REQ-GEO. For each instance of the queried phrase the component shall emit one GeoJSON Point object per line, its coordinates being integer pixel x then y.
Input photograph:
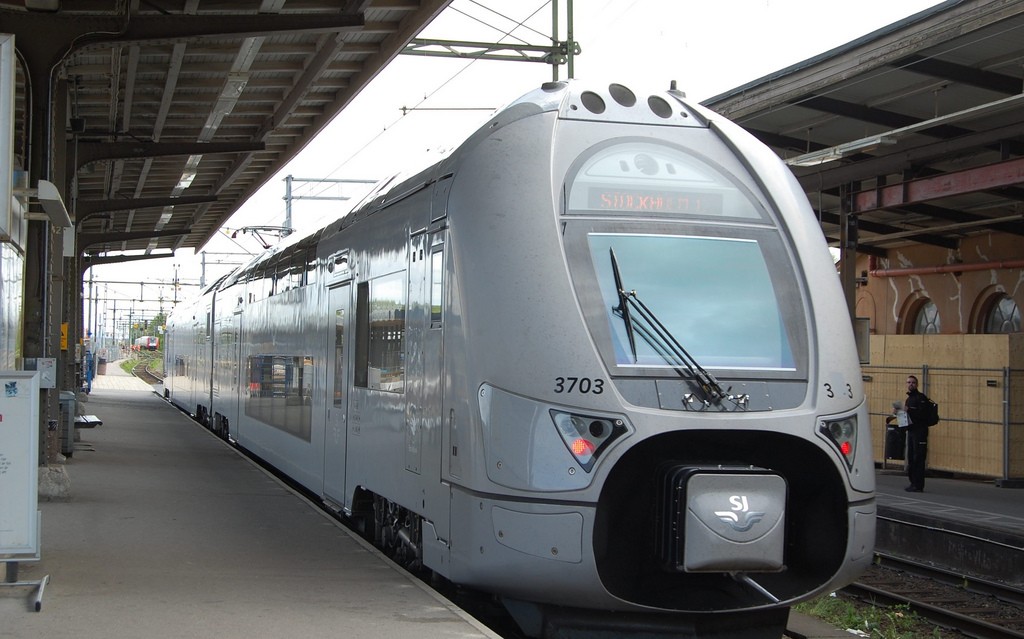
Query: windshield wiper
{"type": "Point", "coordinates": [654, 332]}
{"type": "Point", "coordinates": [623, 307]}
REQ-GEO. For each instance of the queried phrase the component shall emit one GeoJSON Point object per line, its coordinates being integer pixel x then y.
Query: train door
{"type": "Point", "coordinates": [336, 433]}
{"type": "Point", "coordinates": [226, 376]}
{"type": "Point", "coordinates": [242, 350]}
{"type": "Point", "coordinates": [423, 344]}
{"type": "Point", "coordinates": [424, 385]}
{"type": "Point", "coordinates": [416, 410]}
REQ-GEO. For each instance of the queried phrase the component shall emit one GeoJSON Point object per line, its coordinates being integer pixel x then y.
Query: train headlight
{"type": "Point", "coordinates": [842, 433]}
{"type": "Point", "coordinates": [586, 436]}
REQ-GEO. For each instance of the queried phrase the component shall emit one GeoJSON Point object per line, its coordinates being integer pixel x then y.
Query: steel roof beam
{"type": "Point", "coordinates": [84, 30]}
{"type": "Point", "coordinates": [884, 229]}
{"type": "Point", "coordinates": [91, 239]}
{"type": "Point", "coordinates": [177, 28]}
{"type": "Point", "coordinates": [89, 152]}
{"type": "Point", "coordinates": [993, 176]}
{"type": "Point", "coordinates": [87, 208]}
{"type": "Point", "coordinates": [832, 177]}
{"type": "Point", "coordinates": [786, 142]}
{"type": "Point", "coordinates": [329, 48]}
{"type": "Point", "coordinates": [989, 80]}
{"type": "Point", "coordinates": [547, 54]}
{"type": "Point", "coordinates": [834, 242]}
{"type": "Point", "coordinates": [962, 217]}
{"type": "Point", "coordinates": [872, 115]}
{"type": "Point", "coordinates": [89, 261]}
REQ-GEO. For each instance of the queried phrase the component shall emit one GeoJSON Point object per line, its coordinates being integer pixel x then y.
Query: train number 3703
{"type": "Point", "coordinates": [584, 385]}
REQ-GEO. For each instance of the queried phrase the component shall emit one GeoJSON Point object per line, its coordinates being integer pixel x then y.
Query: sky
{"type": "Point", "coordinates": [419, 107]}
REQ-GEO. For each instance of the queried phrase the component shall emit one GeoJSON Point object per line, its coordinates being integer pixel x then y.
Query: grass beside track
{"type": "Point", "coordinates": [878, 622]}
{"type": "Point", "coordinates": [155, 361]}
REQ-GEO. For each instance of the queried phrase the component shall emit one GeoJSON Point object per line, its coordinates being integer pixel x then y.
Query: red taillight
{"type": "Point", "coordinates": [582, 448]}
{"type": "Point", "coordinates": [587, 436]}
{"type": "Point", "coordinates": [843, 433]}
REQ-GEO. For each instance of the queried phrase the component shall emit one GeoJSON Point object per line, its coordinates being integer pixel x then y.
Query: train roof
{"type": "Point", "coordinates": [573, 99]}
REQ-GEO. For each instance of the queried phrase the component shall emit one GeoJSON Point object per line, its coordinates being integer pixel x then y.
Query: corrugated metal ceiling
{"type": "Point", "coordinates": [927, 112]}
{"type": "Point", "coordinates": [178, 110]}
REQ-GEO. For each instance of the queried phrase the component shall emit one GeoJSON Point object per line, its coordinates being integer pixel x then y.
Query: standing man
{"type": "Point", "coordinates": [917, 436]}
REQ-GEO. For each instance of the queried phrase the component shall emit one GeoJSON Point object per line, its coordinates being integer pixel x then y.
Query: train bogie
{"type": "Point", "coordinates": [595, 360]}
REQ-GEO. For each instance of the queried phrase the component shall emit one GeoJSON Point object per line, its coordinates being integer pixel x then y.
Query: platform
{"type": "Point", "coordinates": [973, 527]}
{"type": "Point", "coordinates": [977, 503]}
{"type": "Point", "coordinates": [169, 532]}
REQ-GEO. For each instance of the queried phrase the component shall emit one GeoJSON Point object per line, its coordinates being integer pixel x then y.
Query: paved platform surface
{"type": "Point", "coordinates": [170, 533]}
{"type": "Point", "coordinates": [978, 503]}
{"type": "Point", "coordinates": [116, 379]}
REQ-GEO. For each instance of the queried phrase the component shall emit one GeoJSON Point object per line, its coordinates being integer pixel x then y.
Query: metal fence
{"type": "Point", "coordinates": [981, 428]}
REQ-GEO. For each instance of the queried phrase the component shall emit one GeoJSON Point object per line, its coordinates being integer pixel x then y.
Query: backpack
{"type": "Point", "coordinates": [928, 413]}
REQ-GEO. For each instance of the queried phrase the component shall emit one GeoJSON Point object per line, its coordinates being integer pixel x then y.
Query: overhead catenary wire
{"type": "Point", "coordinates": [506, 33]}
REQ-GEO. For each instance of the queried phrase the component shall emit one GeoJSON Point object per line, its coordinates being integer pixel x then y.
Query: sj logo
{"type": "Point", "coordinates": [739, 517]}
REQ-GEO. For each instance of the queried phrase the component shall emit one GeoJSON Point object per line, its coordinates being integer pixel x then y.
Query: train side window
{"type": "Point", "coordinates": [280, 391]}
{"type": "Point", "coordinates": [338, 266]}
{"type": "Point", "coordinates": [436, 286]}
{"type": "Point", "coordinates": [262, 285]}
{"type": "Point", "coordinates": [380, 334]}
{"type": "Point", "coordinates": [296, 270]}
{"type": "Point", "coordinates": [267, 284]}
{"type": "Point", "coordinates": [339, 356]}
{"type": "Point", "coordinates": [282, 279]}
{"type": "Point", "coordinates": [386, 352]}
{"type": "Point", "coordinates": [312, 266]}
{"type": "Point", "coordinates": [362, 334]}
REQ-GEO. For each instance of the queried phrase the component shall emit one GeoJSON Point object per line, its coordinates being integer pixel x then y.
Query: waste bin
{"type": "Point", "coordinates": [101, 366]}
{"type": "Point", "coordinates": [895, 442]}
{"type": "Point", "coordinates": [67, 423]}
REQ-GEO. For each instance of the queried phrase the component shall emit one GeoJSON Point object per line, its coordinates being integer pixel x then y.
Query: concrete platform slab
{"type": "Point", "coordinates": [168, 532]}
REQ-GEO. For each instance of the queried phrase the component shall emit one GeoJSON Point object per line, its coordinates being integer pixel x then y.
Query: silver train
{"type": "Point", "coordinates": [596, 361]}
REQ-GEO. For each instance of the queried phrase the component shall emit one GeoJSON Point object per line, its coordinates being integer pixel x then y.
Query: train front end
{"type": "Point", "coordinates": [667, 413]}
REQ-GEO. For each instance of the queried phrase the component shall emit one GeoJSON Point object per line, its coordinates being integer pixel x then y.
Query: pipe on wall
{"type": "Point", "coordinates": [945, 268]}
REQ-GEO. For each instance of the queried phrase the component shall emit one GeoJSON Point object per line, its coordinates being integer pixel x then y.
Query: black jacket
{"type": "Point", "coordinates": [914, 405]}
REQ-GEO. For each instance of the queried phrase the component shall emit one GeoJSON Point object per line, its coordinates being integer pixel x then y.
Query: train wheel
{"type": "Point", "coordinates": [398, 533]}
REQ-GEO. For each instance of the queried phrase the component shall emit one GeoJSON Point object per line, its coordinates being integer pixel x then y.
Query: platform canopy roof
{"type": "Point", "coordinates": [917, 127]}
{"type": "Point", "coordinates": [177, 111]}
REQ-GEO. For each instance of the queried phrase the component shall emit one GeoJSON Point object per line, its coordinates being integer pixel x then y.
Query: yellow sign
{"type": "Point", "coordinates": [64, 336]}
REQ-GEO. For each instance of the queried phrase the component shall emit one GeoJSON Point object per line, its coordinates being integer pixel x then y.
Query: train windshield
{"type": "Point", "coordinates": [700, 247]}
{"type": "Point", "coordinates": [713, 295]}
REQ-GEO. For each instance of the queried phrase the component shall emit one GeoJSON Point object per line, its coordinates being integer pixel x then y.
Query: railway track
{"type": "Point", "coordinates": [971, 606]}
{"type": "Point", "coordinates": [143, 371]}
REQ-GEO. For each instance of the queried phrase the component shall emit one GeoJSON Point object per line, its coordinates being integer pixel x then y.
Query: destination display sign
{"type": "Point", "coordinates": [654, 201]}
